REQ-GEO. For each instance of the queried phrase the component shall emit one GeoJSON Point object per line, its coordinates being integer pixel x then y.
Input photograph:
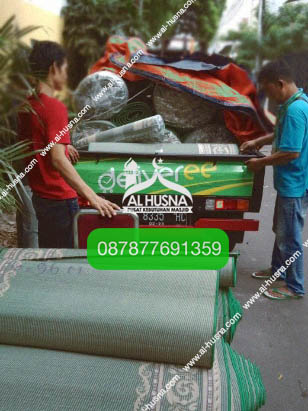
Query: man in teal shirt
{"type": "Point", "coordinates": [290, 161]}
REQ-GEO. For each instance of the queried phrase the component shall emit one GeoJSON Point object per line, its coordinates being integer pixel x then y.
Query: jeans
{"type": "Point", "coordinates": [55, 221]}
{"type": "Point", "coordinates": [289, 218]}
{"type": "Point", "coordinates": [26, 221]}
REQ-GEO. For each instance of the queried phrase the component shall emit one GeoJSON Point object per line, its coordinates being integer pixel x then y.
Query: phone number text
{"type": "Point", "coordinates": [164, 248]}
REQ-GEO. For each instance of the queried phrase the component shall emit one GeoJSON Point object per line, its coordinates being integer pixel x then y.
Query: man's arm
{"type": "Point", "coordinates": [278, 158]}
{"type": "Point", "coordinates": [264, 140]}
{"type": "Point", "coordinates": [257, 143]}
{"type": "Point", "coordinates": [291, 141]}
{"type": "Point", "coordinates": [62, 164]}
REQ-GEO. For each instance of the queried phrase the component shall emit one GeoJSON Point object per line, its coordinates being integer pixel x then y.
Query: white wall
{"type": "Point", "coordinates": [42, 13]}
{"type": "Point", "coordinates": [54, 6]}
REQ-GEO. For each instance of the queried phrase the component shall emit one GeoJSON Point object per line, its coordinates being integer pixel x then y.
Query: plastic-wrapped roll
{"type": "Point", "coordinates": [211, 133]}
{"type": "Point", "coordinates": [132, 112]}
{"type": "Point", "coordinates": [170, 138]}
{"type": "Point", "coordinates": [181, 109]}
{"type": "Point", "coordinates": [148, 130]}
{"type": "Point", "coordinates": [89, 128]}
{"type": "Point", "coordinates": [106, 105]}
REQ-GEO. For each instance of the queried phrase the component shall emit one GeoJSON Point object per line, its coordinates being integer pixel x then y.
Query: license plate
{"type": "Point", "coordinates": [161, 219]}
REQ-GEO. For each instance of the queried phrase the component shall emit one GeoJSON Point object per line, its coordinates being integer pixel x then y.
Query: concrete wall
{"type": "Point", "coordinates": [44, 13]}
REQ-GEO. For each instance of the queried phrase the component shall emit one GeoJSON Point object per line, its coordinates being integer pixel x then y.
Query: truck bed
{"type": "Point", "coordinates": [149, 179]}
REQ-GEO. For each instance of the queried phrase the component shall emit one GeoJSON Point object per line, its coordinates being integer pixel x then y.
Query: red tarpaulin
{"type": "Point", "coordinates": [229, 87]}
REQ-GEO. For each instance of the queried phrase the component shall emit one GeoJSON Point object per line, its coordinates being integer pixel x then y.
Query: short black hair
{"type": "Point", "coordinates": [275, 71]}
{"type": "Point", "coordinates": [43, 55]}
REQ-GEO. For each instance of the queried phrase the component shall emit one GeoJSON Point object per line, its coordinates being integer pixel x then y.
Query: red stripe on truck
{"type": "Point", "coordinates": [228, 224]}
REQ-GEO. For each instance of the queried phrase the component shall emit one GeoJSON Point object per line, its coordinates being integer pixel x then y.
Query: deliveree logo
{"type": "Point", "coordinates": [153, 203]}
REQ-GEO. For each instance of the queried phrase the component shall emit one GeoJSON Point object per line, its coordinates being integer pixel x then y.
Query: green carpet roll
{"type": "Point", "coordinates": [228, 308]}
{"type": "Point", "coordinates": [142, 315]}
{"type": "Point", "coordinates": [34, 379]}
{"type": "Point", "coordinates": [227, 275]}
{"type": "Point", "coordinates": [234, 307]}
{"type": "Point", "coordinates": [56, 310]}
{"type": "Point", "coordinates": [43, 254]}
{"type": "Point", "coordinates": [133, 111]}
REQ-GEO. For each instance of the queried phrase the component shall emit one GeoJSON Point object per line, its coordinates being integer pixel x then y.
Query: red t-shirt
{"type": "Point", "coordinates": [41, 128]}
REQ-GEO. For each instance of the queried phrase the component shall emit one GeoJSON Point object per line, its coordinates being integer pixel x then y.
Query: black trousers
{"type": "Point", "coordinates": [55, 221]}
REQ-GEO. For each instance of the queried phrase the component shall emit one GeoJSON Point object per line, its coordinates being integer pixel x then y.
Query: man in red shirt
{"type": "Point", "coordinates": [54, 181]}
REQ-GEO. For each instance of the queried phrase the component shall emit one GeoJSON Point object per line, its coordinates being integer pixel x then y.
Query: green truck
{"type": "Point", "coordinates": [177, 185]}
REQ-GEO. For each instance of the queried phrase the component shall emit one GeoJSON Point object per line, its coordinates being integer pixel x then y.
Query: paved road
{"type": "Point", "coordinates": [273, 334]}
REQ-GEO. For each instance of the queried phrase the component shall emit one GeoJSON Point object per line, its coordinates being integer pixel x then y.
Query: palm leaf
{"type": "Point", "coordinates": [15, 85]}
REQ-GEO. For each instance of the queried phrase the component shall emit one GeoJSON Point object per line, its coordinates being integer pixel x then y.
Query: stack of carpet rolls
{"type": "Point", "coordinates": [193, 119]}
{"type": "Point", "coordinates": [76, 338]}
{"type": "Point", "coordinates": [188, 118]}
{"type": "Point", "coordinates": [105, 95]}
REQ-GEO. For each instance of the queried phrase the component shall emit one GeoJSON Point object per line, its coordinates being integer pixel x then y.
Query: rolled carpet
{"type": "Point", "coordinates": [234, 307]}
{"type": "Point", "coordinates": [134, 111]}
{"type": "Point", "coordinates": [58, 254]}
{"type": "Point", "coordinates": [142, 315]}
{"type": "Point", "coordinates": [170, 138]}
{"type": "Point", "coordinates": [182, 110]}
{"type": "Point", "coordinates": [37, 303]}
{"type": "Point", "coordinates": [227, 274]}
{"type": "Point", "coordinates": [150, 129]}
{"type": "Point", "coordinates": [90, 128]}
{"type": "Point", "coordinates": [214, 133]}
{"type": "Point", "coordinates": [229, 308]}
{"type": "Point", "coordinates": [103, 94]}
{"type": "Point", "coordinates": [34, 379]}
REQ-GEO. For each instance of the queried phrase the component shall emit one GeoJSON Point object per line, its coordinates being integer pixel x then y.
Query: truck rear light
{"type": "Point", "coordinates": [210, 204]}
{"type": "Point", "coordinates": [221, 205]}
{"type": "Point", "coordinates": [243, 205]}
{"type": "Point", "coordinates": [227, 204]}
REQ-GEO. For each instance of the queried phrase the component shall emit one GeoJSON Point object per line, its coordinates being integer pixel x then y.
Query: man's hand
{"type": "Point", "coordinates": [62, 164]}
{"type": "Point", "coordinates": [249, 145]}
{"type": "Point", "coordinates": [258, 143]}
{"type": "Point", "coordinates": [105, 207]}
{"type": "Point", "coordinates": [255, 164]}
{"type": "Point", "coordinates": [73, 153]}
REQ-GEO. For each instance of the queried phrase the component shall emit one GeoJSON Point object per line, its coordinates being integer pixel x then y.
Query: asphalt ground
{"type": "Point", "coordinates": [273, 334]}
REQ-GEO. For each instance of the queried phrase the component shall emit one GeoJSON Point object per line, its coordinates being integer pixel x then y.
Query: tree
{"type": "Point", "coordinates": [88, 24]}
{"type": "Point", "coordinates": [14, 88]}
{"type": "Point", "coordinates": [209, 13]}
{"type": "Point", "coordinates": [282, 34]}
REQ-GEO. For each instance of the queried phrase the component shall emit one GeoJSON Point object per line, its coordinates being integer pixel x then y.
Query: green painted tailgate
{"type": "Point", "coordinates": [201, 178]}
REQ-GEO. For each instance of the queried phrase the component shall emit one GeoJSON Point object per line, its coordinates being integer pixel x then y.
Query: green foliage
{"type": "Point", "coordinates": [209, 13]}
{"type": "Point", "coordinates": [283, 33]}
{"type": "Point", "coordinates": [9, 156]}
{"type": "Point", "coordinates": [14, 77]}
{"type": "Point", "coordinates": [88, 24]}
{"type": "Point", "coordinates": [14, 88]}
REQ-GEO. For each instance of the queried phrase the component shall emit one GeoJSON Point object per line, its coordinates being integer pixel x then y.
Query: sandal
{"type": "Point", "coordinates": [264, 275]}
{"type": "Point", "coordinates": [284, 296]}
